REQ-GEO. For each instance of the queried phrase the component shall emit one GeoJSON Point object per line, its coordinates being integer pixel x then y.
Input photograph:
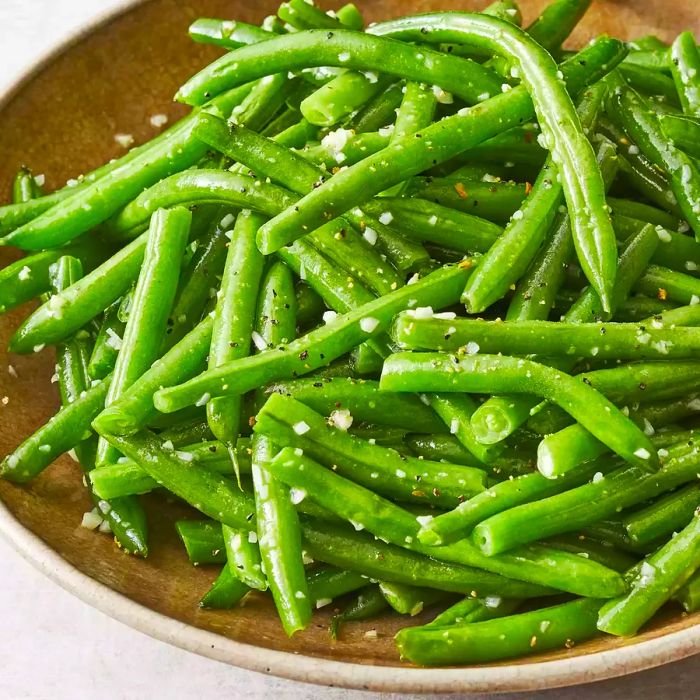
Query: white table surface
{"type": "Point", "coordinates": [54, 646]}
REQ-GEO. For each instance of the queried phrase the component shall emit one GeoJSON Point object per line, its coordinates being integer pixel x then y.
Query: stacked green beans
{"type": "Point", "coordinates": [409, 316]}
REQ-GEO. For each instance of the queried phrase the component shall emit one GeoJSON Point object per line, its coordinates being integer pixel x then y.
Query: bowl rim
{"type": "Point", "coordinates": [587, 668]}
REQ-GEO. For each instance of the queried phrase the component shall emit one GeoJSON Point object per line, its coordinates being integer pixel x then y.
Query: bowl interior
{"type": "Point", "coordinates": [62, 122]}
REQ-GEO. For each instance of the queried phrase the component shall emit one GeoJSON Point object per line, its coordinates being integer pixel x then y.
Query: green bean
{"type": "Point", "coordinates": [680, 316]}
{"type": "Point", "coordinates": [426, 221]}
{"type": "Point", "coordinates": [642, 212]}
{"type": "Point", "coordinates": [507, 637]}
{"type": "Point", "coordinates": [72, 356]}
{"type": "Point", "coordinates": [405, 255]}
{"type": "Point", "coordinates": [368, 604]}
{"type": "Point", "coordinates": [225, 592]}
{"type": "Point", "coordinates": [379, 112]}
{"type": "Point", "coordinates": [688, 595]}
{"type": "Point", "coordinates": [524, 234]}
{"type": "Point", "coordinates": [584, 505]}
{"type": "Point", "coordinates": [134, 409]}
{"type": "Point", "coordinates": [526, 488]}
{"type": "Point", "coordinates": [650, 83]}
{"type": "Point", "coordinates": [381, 469]}
{"type": "Point", "coordinates": [25, 187]}
{"type": "Point", "coordinates": [616, 341]}
{"type": "Point", "coordinates": [684, 132]}
{"type": "Point", "coordinates": [342, 96]}
{"type": "Point", "coordinates": [664, 516]}
{"type": "Point", "coordinates": [592, 232]}
{"type": "Point", "coordinates": [416, 112]}
{"type": "Point", "coordinates": [228, 34]}
{"type": "Point", "coordinates": [199, 278]}
{"type": "Point", "coordinates": [357, 146]}
{"type": "Point", "coordinates": [153, 298]}
{"type": "Point", "coordinates": [456, 412]}
{"type": "Point", "coordinates": [351, 17]}
{"type": "Point", "coordinates": [209, 492]}
{"type": "Point", "coordinates": [410, 600]}
{"type": "Point", "coordinates": [493, 374]}
{"type": "Point", "coordinates": [95, 203]}
{"type": "Point", "coordinates": [310, 306]}
{"type": "Point", "coordinates": [327, 584]}
{"type": "Point", "coordinates": [107, 343]}
{"type": "Point", "coordinates": [82, 301]}
{"type": "Point", "coordinates": [675, 250]}
{"type": "Point", "coordinates": [362, 553]}
{"type": "Point", "coordinates": [659, 577]}
{"type": "Point", "coordinates": [604, 552]}
{"type": "Point", "coordinates": [669, 284]}
{"type": "Point", "coordinates": [685, 63]}
{"type": "Point", "coordinates": [61, 433]}
{"type": "Point", "coordinates": [267, 158]}
{"type": "Point", "coordinates": [440, 448]}
{"type": "Point", "coordinates": [364, 401]}
{"type": "Point", "coordinates": [341, 48]}
{"type": "Point", "coordinates": [406, 157]}
{"type": "Point", "coordinates": [643, 126]}
{"type": "Point", "coordinates": [556, 22]}
{"type": "Point", "coordinates": [493, 201]}
{"type": "Point", "coordinates": [126, 477]}
{"type": "Point", "coordinates": [639, 308]}
{"type": "Point", "coordinates": [317, 348]}
{"type": "Point", "coordinates": [234, 318]}
{"type": "Point", "coordinates": [28, 277]}
{"type": "Point", "coordinates": [125, 516]}
{"type": "Point", "coordinates": [638, 170]}
{"type": "Point", "coordinates": [470, 610]}
{"type": "Point", "coordinates": [360, 506]}
{"type": "Point", "coordinates": [279, 535]}
{"type": "Point", "coordinates": [199, 187]}
{"type": "Point", "coordinates": [243, 556]}
{"type": "Point", "coordinates": [499, 416]}
{"type": "Point", "coordinates": [203, 541]}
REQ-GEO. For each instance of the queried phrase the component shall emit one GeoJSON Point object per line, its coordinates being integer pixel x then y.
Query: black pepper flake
{"type": "Point", "coordinates": [642, 386]}
{"type": "Point", "coordinates": [436, 492]}
{"type": "Point", "coordinates": [586, 380]}
{"type": "Point", "coordinates": [233, 344]}
{"type": "Point", "coordinates": [303, 354]}
{"type": "Point", "coordinates": [318, 385]}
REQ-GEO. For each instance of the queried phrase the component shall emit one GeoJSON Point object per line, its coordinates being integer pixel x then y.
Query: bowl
{"type": "Point", "coordinates": [61, 119]}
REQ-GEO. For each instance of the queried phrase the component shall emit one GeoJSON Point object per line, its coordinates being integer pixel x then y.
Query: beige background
{"type": "Point", "coordinates": [54, 646]}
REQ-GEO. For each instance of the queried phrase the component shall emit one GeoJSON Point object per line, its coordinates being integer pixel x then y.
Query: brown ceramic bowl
{"type": "Point", "coordinates": [61, 120]}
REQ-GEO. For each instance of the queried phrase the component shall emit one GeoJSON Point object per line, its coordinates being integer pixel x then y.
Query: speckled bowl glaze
{"type": "Point", "coordinates": [60, 119]}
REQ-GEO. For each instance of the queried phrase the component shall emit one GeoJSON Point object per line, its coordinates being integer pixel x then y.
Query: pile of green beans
{"type": "Point", "coordinates": [370, 310]}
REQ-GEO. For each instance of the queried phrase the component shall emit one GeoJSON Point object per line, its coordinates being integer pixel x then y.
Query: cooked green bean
{"type": "Point", "coordinates": [659, 577]}
{"type": "Point", "coordinates": [381, 469]}
{"type": "Point", "coordinates": [643, 126]}
{"type": "Point", "coordinates": [664, 516]}
{"type": "Point", "coordinates": [319, 347]}
{"type": "Point", "coordinates": [243, 556]}
{"type": "Point", "coordinates": [685, 63]}
{"type": "Point", "coordinates": [409, 156]}
{"type": "Point", "coordinates": [410, 600]}
{"type": "Point", "coordinates": [225, 592]}
{"type": "Point", "coordinates": [360, 552]}
{"type": "Point", "coordinates": [207, 491]}
{"type": "Point", "coordinates": [604, 341]}
{"type": "Point", "coordinates": [495, 374]}
{"type": "Point", "coordinates": [504, 638]}
{"type": "Point", "coordinates": [152, 302]}
{"type": "Point", "coordinates": [364, 401]}
{"type": "Point", "coordinates": [585, 505]}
